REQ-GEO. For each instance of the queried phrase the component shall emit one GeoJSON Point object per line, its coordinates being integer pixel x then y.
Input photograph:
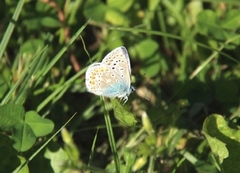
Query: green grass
{"type": "Point", "coordinates": [183, 116]}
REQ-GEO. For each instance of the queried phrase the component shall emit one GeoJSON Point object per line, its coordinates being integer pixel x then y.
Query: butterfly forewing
{"type": "Point", "coordinates": [119, 61]}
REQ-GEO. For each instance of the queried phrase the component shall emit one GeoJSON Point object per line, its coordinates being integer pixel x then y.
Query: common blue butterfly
{"type": "Point", "coordinates": [111, 77]}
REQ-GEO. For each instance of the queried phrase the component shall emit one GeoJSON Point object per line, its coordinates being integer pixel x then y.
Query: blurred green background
{"type": "Point", "coordinates": [183, 116]}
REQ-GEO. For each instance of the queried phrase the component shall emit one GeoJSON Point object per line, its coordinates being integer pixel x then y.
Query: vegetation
{"type": "Point", "coordinates": [183, 116]}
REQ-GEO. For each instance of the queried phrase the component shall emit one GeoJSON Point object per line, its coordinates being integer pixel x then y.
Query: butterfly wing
{"type": "Point", "coordinates": [92, 79]}
{"type": "Point", "coordinates": [119, 61]}
{"type": "Point", "coordinates": [102, 80]}
{"type": "Point", "coordinates": [111, 77]}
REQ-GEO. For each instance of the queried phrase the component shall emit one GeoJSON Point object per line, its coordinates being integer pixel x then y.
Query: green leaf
{"type": "Point", "coordinates": [151, 140]}
{"type": "Point", "coordinates": [173, 138]}
{"type": "Point", "coordinates": [50, 22]}
{"type": "Point", "coordinates": [208, 24]}
{"type": "Point", "coordinates": [217, 124]}
{"type": "Point", "coordinates": [122, 5]}
{"type": "Point", "coordinates": [129, 158]}
{"type": "Point", "coordinates": [148, 52]}
{"type": "Point", "coordinates": [25, 130]}
{"type": "Point", "coordinates": [10, 114]}
{"type": "Point", "coordinates": [147, 48]}
{"type": "Point", "coordinates": [23, 137]}
{"type": "Point", "coordinates": [231, 20]}
{"type": "Point", "coordinates": [31, 47]}
{"type": "Point", "coordinates": [122, 115]}
{"type": "Point", "coordinates": [114, 39]}
{"type": "Point", "coordinates": [95, 9]}
{"type": "Point", "coordinates": [144, 149]}
{"type": "Point", "coordinates": [59, 159]}
{"type": "Point", "coordinates": [218, 147]}
{"type": "Point", "coordinates": [235, 42]}
{"type": "Point", "coordinates": [116, 17]}
{"type": "Point", "coordinates": [32, 23]}
{"type": "Point", "coordinates": [40, 126]}
{"type": "Point", "coordinates": [69, 146]}
{"type": "Point", "coordinates": [205, 20]}
{"type": "Point", "coordinates": [24, 169]}
{"type": "Point", "coordinates": [224, 142]}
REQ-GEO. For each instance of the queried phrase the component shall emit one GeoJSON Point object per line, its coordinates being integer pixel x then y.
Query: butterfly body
{"type": "Point", "coordinates": [111, 77]}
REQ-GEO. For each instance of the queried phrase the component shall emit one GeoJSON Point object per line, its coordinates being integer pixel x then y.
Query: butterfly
{"type": "Point", "coordinates": [111, 77]}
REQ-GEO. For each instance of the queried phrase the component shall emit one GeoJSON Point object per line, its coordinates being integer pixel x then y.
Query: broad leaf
{"type": "Point", "coordinates": [123, 115]}
{"type": "Point", "coordinates": [23, 137]}
{"type": "Point", "coordinates": [10, 114]}
{"type": "Point", "coordinates": [224, 142]}
{"type": "Point", "coordinates": [39, 125]}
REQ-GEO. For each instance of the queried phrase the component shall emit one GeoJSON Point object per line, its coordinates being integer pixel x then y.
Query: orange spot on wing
{"type": "Point", "coordinates": [102, 70]}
